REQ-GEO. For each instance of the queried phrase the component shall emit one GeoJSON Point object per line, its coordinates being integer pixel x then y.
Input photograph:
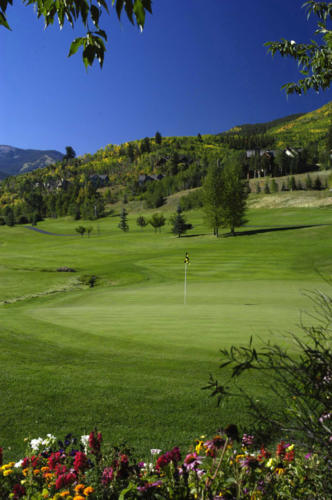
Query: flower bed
{"type": "Point", "coordinates": [218, 468]}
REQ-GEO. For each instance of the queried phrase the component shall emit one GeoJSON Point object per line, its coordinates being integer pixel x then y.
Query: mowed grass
{"type": "Point", "coordinates": [128, 356]}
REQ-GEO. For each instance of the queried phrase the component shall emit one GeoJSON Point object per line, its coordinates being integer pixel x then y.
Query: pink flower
{"type": "Point", "coordinates": [192, 461]}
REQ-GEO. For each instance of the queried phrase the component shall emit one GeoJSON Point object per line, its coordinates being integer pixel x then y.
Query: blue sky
{"type": "Point", "coordinates": [199, 66]}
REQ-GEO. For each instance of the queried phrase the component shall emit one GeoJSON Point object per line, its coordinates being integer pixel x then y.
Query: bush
{"type": "Point", "coordinates": [300, 380]}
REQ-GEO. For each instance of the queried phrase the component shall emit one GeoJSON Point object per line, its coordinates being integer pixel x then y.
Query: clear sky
{"type": "Point", "coordinates": [199, 66]}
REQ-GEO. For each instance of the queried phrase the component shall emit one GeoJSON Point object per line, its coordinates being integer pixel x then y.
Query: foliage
{"type": "Point", "coordinates": [89, 15]}
{"type": "Point", "coordinates": [314, 59]}
{"type": "Point", "coordinates": [141, 221]}
{"type": "Point", "coordinates": [80, 230]}
{"type": "Point", "coordinates": [224, 194]}
{"type": "Point", "coordinates": [179, 224]}
{"type": "Point", "coordinates": [211, 468]}
{"type": "Point", "coordinates": [157, 221]}
{"type": "Point", "coordinates": [301, 380]}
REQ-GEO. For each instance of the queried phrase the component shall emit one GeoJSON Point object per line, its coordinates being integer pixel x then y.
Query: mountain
{"type": "Point", "coordinates": [15, 161]}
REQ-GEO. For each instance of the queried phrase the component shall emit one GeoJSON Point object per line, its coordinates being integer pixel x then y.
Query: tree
{"type": "Point", "coordinates": [123, 224]}
{"type": "Point", "coordinates": [140, 221]}
{"type": "Point", "coordinates": [80, 230]}
{"type": "Point", "coordinates": [224, 195]}
{"type": "Point", "coordinates": [87, 14]}
{"type": "Point", "coordinates": [70, 153]}
{"type": "Point", "coordinates": [314, 59]}
{"type": "Point", "coordinates": [179, 224]}
{"type": "Point", "coordinates": [158, 138]}
{"type": "Point", "coordinates": [212, 191]}
{"type": "Point", "coordinates": [157, 221]}
{"type": "Point", "coordinates": [89, 230]}
{"type": "Point", "coordinates": [234, 195]}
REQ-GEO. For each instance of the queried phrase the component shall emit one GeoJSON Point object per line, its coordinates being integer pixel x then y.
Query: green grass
{"type": "Point", "coordinates": [128, 356]}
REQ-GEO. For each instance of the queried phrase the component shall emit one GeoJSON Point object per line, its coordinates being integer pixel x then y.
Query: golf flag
{"type": "Point", "coordinates": [186, 259]}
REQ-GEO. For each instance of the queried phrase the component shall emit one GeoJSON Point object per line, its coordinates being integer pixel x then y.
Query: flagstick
{"type": "Point", "coordinates": [185, 283]}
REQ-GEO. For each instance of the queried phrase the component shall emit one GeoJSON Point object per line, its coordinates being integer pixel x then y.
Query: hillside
{"type": "Point", "coordinates": [296, 131]}
{"type": "Point", "coordinates": [309, 128]}
{"type": "Point", "coordinates": [15, 161]}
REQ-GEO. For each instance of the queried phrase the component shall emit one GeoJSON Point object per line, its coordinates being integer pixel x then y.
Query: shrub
{"type": "Point", "coordinates": [300, 380]}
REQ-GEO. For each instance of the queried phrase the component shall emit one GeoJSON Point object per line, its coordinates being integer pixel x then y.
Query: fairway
{"type": "Point", "coordinates": [128, 356]}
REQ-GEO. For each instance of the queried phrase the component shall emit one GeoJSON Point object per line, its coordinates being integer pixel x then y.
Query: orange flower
{"type": "Point", "coordinates": [65, 493]}
{"type": "Point", "coordinates": [79, 488]}
{"type": "Point", "coordinates": [25, 471]}
{"type": "Point", "coordinates": [45, 469]}
{"type": "Point", "coordinates": [36, 472]}
{"type": "Point", "coordinates": [88, 491]}
{"type": "Point", "coordinates": [79, 497]}
{"type": "Point", "coordinates": [48, 476]}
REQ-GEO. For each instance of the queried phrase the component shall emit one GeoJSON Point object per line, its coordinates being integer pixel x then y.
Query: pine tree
{"type": "Point", "coordinates": [123, 224]}
{"type": "Point", "coordinates": [158, 138]}
{"type": "Point", "coordinates": [179, 225]}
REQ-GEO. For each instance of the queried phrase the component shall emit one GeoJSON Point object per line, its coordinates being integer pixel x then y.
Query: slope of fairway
{"type": "Point", "coordinates": [128, 355]}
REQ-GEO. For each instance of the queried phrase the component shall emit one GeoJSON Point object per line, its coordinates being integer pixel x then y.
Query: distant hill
{"type": "Point", "coordinates": [15, 161]}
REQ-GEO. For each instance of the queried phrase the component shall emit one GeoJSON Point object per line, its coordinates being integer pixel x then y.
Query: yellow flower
{"type": "Point", "coordinates": [7, 472]}
{"type": "Point", "coordinates": [88, 491]}
{"type": "Point", "coordinates": [269, 463]}
{"type": "Point", "coordinates": [79, 487]}
{"type": "Point", "coordinates": [237, 458]}
{"type": "Point", "coordinates": [290, 448]}
{"type": "Point", "coordinates": [280, 471]}
{"type": "Point", "coordinates": [199, 446]}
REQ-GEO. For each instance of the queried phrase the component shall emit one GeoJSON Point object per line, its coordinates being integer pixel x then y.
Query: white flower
{"type": "Point", "coordinates": [155, 451]}
{"type": "Point", "coordinates": [19, 463]}
{"type": "Point", "coordinates": [292, 42]}
{"type": "Point", "coordinates": [35, 443]}
{"type": "Point", "coordinates": [49, 441]}
{"type": "Point", "coordinates": [85, 442]}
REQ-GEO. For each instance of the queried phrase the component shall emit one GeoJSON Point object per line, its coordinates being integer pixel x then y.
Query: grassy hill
{"type": "Point", "coordinates": [127, 356]}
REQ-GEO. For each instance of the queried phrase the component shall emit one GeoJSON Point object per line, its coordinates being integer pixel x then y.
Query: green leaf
{"type": "Point", "coordinates": [75, 45]}
{"type": "Point", "coordinates": [3, 21]}
{"type": "Point", "coordinates": [95, 14]}
{"type": "Point", "coordinates": [139, 13]}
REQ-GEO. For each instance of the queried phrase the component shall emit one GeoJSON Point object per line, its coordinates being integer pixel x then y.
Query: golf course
{"type": "Point", "coordinates": [127, 356]}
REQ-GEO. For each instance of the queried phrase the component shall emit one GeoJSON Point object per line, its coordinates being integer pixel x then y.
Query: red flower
{"type": "Point", "coordinates": [18, 491]}
{"type": "Point", "coordinates": [30, 462]}
{"type": "Point", "coordinates": [281, 448]}
{"type": "Point", "coordinates": [53, 460]}
{"type": "Point", "coordinates": [107, 476]}
{"type": "Point", "coordinates": [290, 455]}
{"type": "Point", "coordinates": [80, 462]}
{"type": "Point", "coordinates": [65, 480]}
{"type": "Point", "coordinates": [170, 456]}
{"type": "Point", "coordinates": [95, 441]}
{"type": "Point", "coordinates": [263, 454]}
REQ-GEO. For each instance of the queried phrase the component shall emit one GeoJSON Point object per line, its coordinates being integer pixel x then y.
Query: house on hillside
{"type": "Point", "coordinates": [99, 180]}
{"type": "Point", "coordinates": [144, 178]}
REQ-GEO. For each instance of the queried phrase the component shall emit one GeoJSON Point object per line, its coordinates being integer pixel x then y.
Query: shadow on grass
{"type": "Point", "coordinates": [270, 230]}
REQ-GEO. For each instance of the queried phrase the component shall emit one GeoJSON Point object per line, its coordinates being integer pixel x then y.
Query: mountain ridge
{"type": "Point", "coordinates": [14, 161]}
